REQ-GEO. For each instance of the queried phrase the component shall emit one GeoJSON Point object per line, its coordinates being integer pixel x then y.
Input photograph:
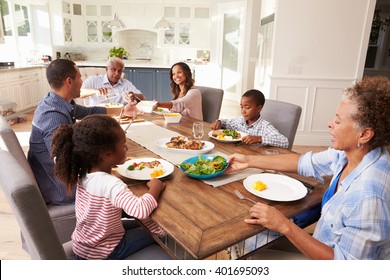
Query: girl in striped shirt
{"type": "Point", "coordinates": [84, 154]}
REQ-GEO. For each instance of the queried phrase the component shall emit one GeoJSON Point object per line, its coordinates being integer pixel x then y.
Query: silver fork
{"type": "Point", "coordinates": [240, 196]}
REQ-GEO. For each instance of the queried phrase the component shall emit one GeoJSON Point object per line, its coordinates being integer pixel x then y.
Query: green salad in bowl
{"type": "Point", "coordinates": [204, 166]}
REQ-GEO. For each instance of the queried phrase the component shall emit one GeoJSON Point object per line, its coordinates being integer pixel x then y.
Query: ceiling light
{"type": "Point", "coordinates": [116, 23]}
{"type": "Point", "coordinates": [163, 23]}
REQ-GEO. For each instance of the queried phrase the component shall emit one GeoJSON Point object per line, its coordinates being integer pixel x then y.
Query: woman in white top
{"type": "Point", "coordinates": [187, 99]}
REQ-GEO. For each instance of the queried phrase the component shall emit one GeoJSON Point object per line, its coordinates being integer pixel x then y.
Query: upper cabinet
{"type": "Point", "coordinates": [190, 26]}
{"type": "Point", "coordinates": [97, 23]}
{"type": "Point", "coordinates": [79, 22]}
{"type": "Point", "coordinates": [87, 21]}
{"type": "Point", "coordinates": [72, 18]}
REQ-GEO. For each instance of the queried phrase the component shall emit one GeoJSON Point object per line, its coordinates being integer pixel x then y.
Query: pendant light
{"type": "Point", "coordinates": [163, 23]}
{"type": "Point", "coordinates": [116, 23]}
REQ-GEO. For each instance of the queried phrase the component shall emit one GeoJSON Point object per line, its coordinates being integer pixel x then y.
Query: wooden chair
{"type": "Point", "coordinates": [211, 102]}
{"type": "Point", "coordinates": [283, 116]}
{"type": "Point", "coordinates": [63, 216]}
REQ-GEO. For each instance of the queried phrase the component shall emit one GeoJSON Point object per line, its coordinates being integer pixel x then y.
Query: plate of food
{"type": "Point", "coordinates": [204, 166]}
{"type": "Point", "coordinates": [275, 187]}
{"type": "Point", "coordinates": [161, 111]}
{"type": "Point", "coordinates": [145, 168]}
{"type": "Point", "coordinates": [183, 144]}
{"type": "Point", "coordinates": [227, 135]}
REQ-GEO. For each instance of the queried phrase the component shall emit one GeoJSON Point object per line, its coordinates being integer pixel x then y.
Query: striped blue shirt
{"type": "Point", "coordinates": [52, 111]}
{"type": "Point", "coordinates": [355, 222]}
{"type": "Point", "coordinates": [102, 81]}
{"type": "Point", "coordinates": [269, 134]}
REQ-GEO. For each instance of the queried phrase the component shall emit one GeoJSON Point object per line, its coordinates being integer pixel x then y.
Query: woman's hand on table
{"type": "Point", "coordinates": [269, 217]}
{"type": "Point", "coordinates": [237, 162]}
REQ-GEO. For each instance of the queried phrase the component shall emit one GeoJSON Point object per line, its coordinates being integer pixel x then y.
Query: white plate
{"type": "Point", "coordinates": [164, 111]}
{"type": "Point", "coordinates": [144, 174]}
{"type": "Point", "coordinates": [279, 187]}
{"type": "Point", "coordinates": [207, 147]}
{"type": "Point", "coordinates": [227, 141]}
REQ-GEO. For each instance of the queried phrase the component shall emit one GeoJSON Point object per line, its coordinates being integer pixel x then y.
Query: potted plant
{"type": "Point", "coordinates": [118, 52]}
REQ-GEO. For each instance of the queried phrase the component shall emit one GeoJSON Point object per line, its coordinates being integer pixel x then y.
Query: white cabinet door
{"type": "Point", "coordinates": [24, 87]}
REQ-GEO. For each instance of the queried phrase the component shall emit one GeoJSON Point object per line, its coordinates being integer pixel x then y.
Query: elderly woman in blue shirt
{"type": "Point", "coordinates": [355, 215]}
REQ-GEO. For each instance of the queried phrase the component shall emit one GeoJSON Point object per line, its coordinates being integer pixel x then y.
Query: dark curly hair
{"type": "Point", "coordinates": [371, 95]}
{"type": "Point", "coordinates": [75, 148]}
{"type": "Point", "coordinates": [175, 89]}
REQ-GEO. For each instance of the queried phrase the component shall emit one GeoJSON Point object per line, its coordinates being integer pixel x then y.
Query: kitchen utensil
{"type": "Point", "coordinates": [241, 196]}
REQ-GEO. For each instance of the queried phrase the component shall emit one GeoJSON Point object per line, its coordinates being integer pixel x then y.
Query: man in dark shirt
{"type": "Point", "coordinates": [57, 108]}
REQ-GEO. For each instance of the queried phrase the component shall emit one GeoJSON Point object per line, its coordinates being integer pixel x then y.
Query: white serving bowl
{"type": "Point", "coordinates": [113, 109]}
{"type": "Point", "coordinates": [172, 117]}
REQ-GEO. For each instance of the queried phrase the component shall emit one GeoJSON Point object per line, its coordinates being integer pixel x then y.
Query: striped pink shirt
{"type": "Point", "coordinates": [100, 199]}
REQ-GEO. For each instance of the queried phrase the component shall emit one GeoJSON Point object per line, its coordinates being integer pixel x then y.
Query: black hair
{"type": "Point", "coordinates": [59, 70]}
{"type": "Point", "coordinates": [75, 148]}
{"type": "Point", "coordinates": [256, 95]}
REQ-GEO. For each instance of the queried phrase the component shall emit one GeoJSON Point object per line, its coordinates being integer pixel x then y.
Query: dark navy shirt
{"type": "Point", "coordinates": [52, 111]}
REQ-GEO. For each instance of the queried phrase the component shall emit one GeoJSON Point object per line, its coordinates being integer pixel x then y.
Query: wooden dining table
{"type": "Point", "coordinates": [201, 220]}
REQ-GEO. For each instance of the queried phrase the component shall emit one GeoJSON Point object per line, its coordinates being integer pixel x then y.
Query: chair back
{"type": "Point", "coordinates": [30, 210]}
{"type": "Point", "coordinates": [9, 142]}
{"type": "Point", "coordinates": [63, 216]}
{"type": "Point", "coordinates": [211, 102]}
{"type": "Point", "coordinates": [283, 116]}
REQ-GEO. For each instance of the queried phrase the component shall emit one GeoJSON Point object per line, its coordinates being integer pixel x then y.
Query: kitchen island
{"type": "Point", "coordinates": [150, 77]}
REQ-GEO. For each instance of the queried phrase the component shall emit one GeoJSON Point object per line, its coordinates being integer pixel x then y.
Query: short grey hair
{"type": "Point", "coordinates": [115, 60]}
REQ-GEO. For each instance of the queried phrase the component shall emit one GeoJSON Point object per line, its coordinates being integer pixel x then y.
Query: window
{"type": "Point", "coordinates": [21, 20]}
{"type": "Point", "coordinates": [18, 40]}
{"type": "Point", "coordinates": [17, 17]}
{"type": "Point", "coordinates": [6, 18]}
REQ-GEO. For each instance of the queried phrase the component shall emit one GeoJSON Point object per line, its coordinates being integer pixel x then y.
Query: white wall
{"type": "Point", "coordinates": [319, 49]}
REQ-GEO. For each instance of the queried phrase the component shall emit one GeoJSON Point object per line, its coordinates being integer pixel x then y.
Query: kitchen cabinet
{"type": "Point", "coordinates": [25, 87]}
{"type": "Point", "coordinates": [152, 82]}
{"type": "Point", "coordinates": [68, 30]}
{"type": "Point", "coordinates": [186, 19]}
{"type": "Point", "coordinates": [97, 21]}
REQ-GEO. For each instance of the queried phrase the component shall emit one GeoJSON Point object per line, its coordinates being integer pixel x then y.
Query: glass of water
{"type": "Point", "coordinates": [197, 130]}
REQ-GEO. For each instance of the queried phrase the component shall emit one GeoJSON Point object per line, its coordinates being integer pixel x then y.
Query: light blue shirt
{"type": "Point", "coordinates": [269, 134]}
{"type": "Point", "coordinates": [355, 222]}
{"type": "Point", "coordinates": [101, 81]}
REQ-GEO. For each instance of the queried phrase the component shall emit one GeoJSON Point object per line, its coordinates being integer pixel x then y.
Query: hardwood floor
{"type": "Point", "coordinates": [10, 244]}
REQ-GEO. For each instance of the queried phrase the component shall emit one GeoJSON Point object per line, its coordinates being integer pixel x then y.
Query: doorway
{"type": "Point", "coordinates": [231, 56]}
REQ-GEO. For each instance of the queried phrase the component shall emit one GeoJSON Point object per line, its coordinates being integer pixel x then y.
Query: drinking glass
{"type": "Point", "coordinates": [111, 94]}
{"type": "Point", "coordinates": [197, 130]}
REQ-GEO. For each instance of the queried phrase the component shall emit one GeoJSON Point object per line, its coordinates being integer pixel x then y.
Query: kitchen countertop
{"type": "Point", "coordinates": [20, 67]}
